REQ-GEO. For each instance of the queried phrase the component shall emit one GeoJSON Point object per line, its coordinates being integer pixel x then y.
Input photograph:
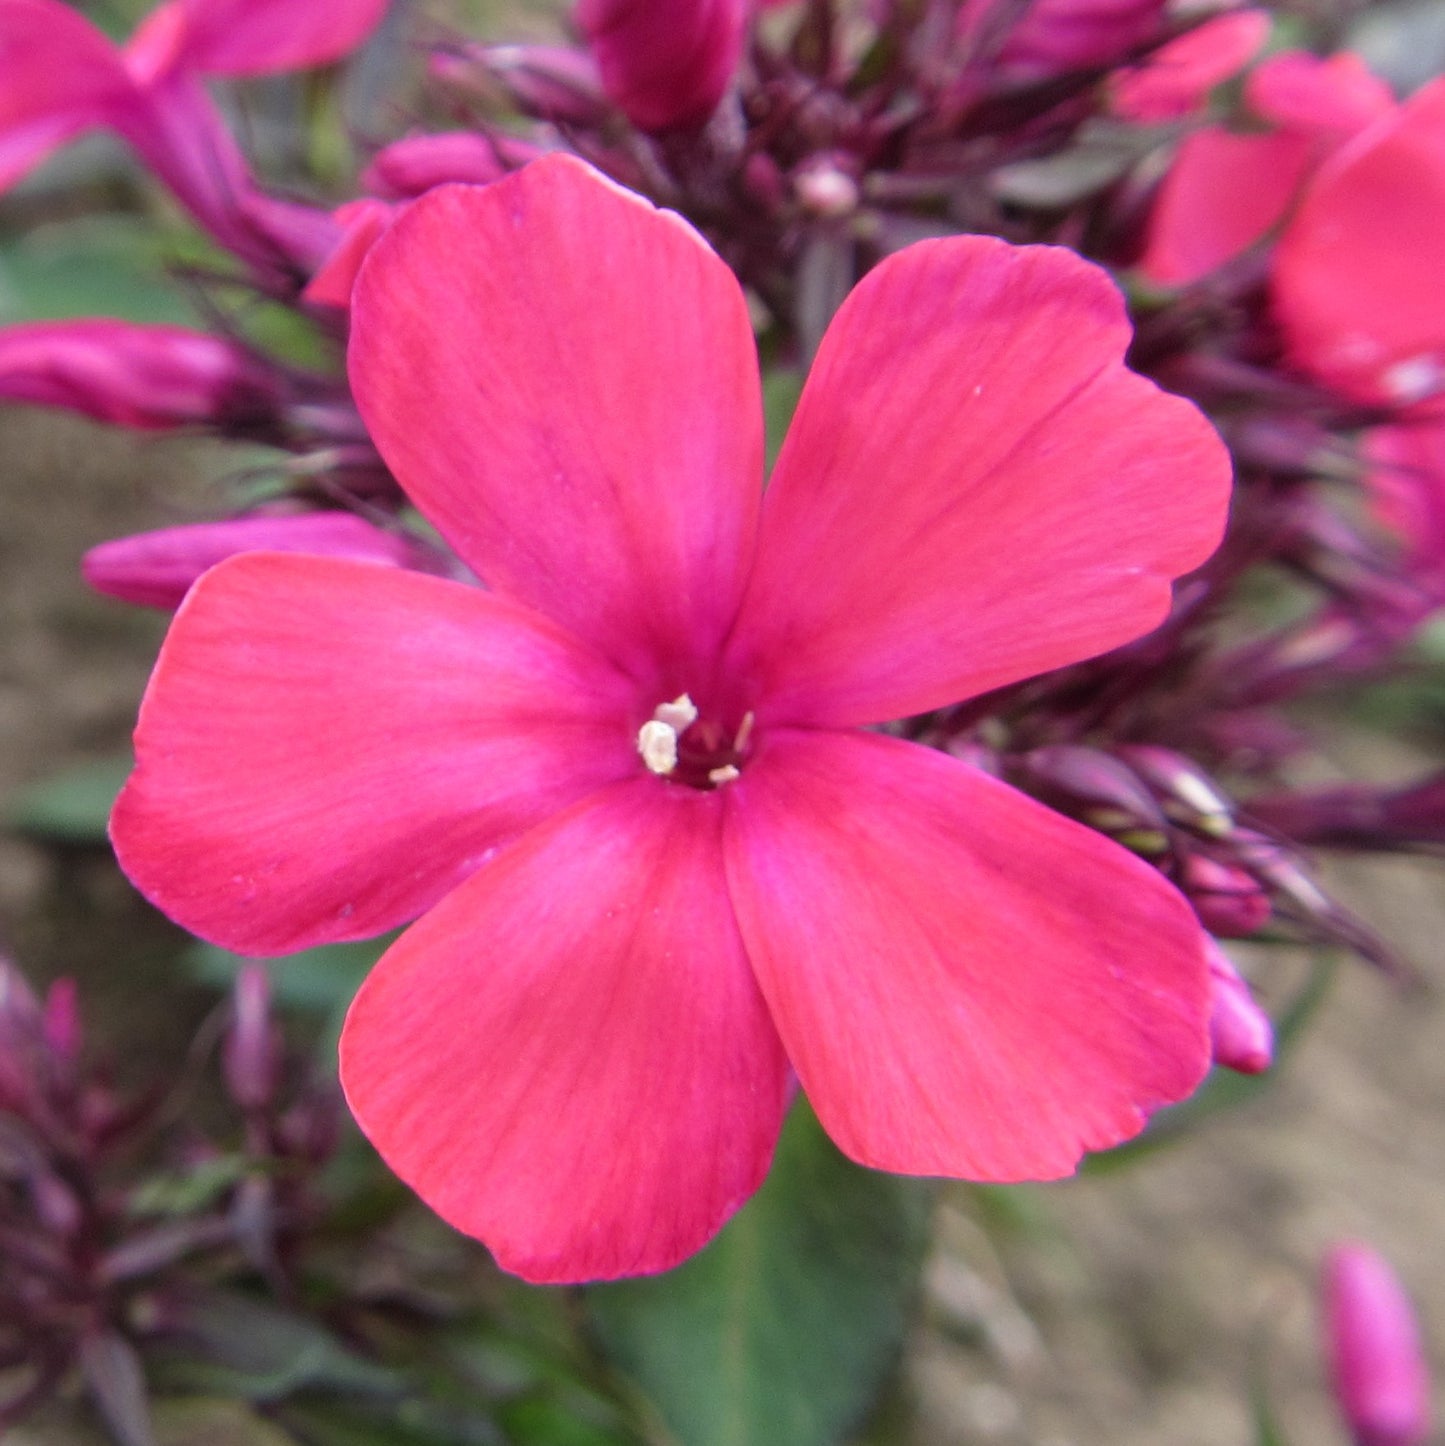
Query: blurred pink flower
{"type": "Point", "coordinates": [60, 76]}
{"type": "Point", "coordinates": [665, 63]}
{"type": "Point", "coordinates": [1176, 79]}
{"type": "Point", "coordinates": [1227, 190]}
{"type": "Point", "coordinates": [1356, 277]}
{"type": "Point", "coordinates": [663, 863]}
{"type": "Point", "coordinates": [1377, 1365]}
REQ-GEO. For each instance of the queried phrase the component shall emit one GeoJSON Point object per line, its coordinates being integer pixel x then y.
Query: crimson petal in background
{"type": "Point", "coordinates": [59, 76]}
{"type": "Point", "coordinates": [974, 490]}
{"type": "Point", "coordinates": [592, 446]}
{"type": "Point", "coordinates": [255, 37]}
{"type": "Point", "coordinates": [1357, 278]}
{"type": "Point", "coordinates": [1223, 193]}
{"type": "Point", "coordinates": [327, 747]}
{"type": "Point", "coordinates": [569, 1057]}
{"type": "Point", "coordinates": [967, 983]}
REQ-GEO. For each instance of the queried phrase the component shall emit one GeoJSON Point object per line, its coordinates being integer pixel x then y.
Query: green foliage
{"type": "Point", "coordinates": [787, 1326]}
{"type": "Point", "coordinates": [72, 806]}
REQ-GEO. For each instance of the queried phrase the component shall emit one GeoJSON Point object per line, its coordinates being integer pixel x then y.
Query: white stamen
{"type": "Point", "coordinates": [745, 731]}
{"type": "Point", "coordinates": [725, 774]}
{"type": "Point", "coordinates": [657, 738]}
{"type": "Point", "coordinates": [679, 715]}
{"type": "Point", "coordinates": [657, 743]}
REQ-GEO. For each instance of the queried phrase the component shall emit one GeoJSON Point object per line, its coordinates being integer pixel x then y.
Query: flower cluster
{"type": "Point", "coordinates": [909, 780]}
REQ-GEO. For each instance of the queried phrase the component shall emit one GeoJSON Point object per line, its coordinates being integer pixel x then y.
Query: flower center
{"type": "Point", "coordinates": [677, 744]}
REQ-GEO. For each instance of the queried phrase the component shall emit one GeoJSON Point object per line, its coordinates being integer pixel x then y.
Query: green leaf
{"type": "Point", "coordinates": [781, 390]}
{"type": "Point", "coordinates": [70, 807]}
{"type": "Point", "coordinates": [112, 265]}
{"type": "Point", "coordinates": [787, 1326]}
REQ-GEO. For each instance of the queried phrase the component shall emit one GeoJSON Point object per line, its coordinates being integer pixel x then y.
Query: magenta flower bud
{"type": "Point", "coordinates": [413, 165]}
{"type": "Point", "coordinates": [150, 377]}
{"type": "Point", "coordinates": [547, 82]}
{"type": "Point", "coordinates": [1241, 1036]}
{"type": "Point", "coordinates": [251, 1054]}
{"type": "Point", "coordinates": [665, 63]}
{"type": "Point", "coordinates": [156, 569]}
{"type": "Point", "coordinates": [1372, 1342]}
{"type": "Point", "coordinates": [1229, 901]}
{"type": "Point", "coordinates": [1053, 37]}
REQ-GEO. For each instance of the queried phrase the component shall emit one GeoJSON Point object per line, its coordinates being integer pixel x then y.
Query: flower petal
{"type": "Point", "coordinates": [967, 983]}
{"type": "Point", "coordinates": [586, 369]}
{"type": "Point", "coordinates": [569, 1058]}
{"type": "Point", "coordinates": [974, 490]}
{"type": "Point", "coordinates": [327, 747]}
{"type": "Point", "coordinates": [1223, 193]}
{"type": "Point", "coordinates": [1356, 283]}
{"type": "Point", "coordinates": [251, 37]}
{"type": "Point", "coordinates": [59, 76]}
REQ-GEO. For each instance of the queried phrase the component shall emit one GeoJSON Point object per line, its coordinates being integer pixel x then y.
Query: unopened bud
{"type": "Point", "coordinates": [547, 82]}
{"type": "Point", "coordinates": [825, 188]}
{"type": "Point", "coordinates": [56, 1205]}
{"type": "Point", "coordinates": [1372, 1343]}
{"type": "Point", "coordinates": [665, 63]}
{"type": "Point", "coordinates": [1096, 789]}
{"type": "Point", "coordinates": [1052, 37]}
{"type": "Point", "coordinates": [415, 164]}
{"type": "Point", "coordinates": [251, 1054]}
{"type": "Point", "coordinates": [1229, 901]}
{"type": "Point", "coordinates": [148, 377]}
{"type": "Point", "coordinates": [157, 569]}
{"type": "Point", "coordinates": [1241, 1036]}
{"type": "Point", "coordinates": [1185, 792]}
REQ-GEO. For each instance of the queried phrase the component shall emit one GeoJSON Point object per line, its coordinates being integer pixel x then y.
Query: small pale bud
{"type": "Point", "coordinates": [1372, 1341]}
{"type": "Point", "coordinates": [251, 1054]}
{"type": "Point", "coordinates": [1241, 1036]}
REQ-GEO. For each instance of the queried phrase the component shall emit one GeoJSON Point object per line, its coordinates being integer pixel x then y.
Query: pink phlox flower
{"type": "Point", "coordinates": [663, 864]}
{"type": "Point", "coordinates": [1227, 190]}
{"type": "Point", "coordinates": [60, 76]}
